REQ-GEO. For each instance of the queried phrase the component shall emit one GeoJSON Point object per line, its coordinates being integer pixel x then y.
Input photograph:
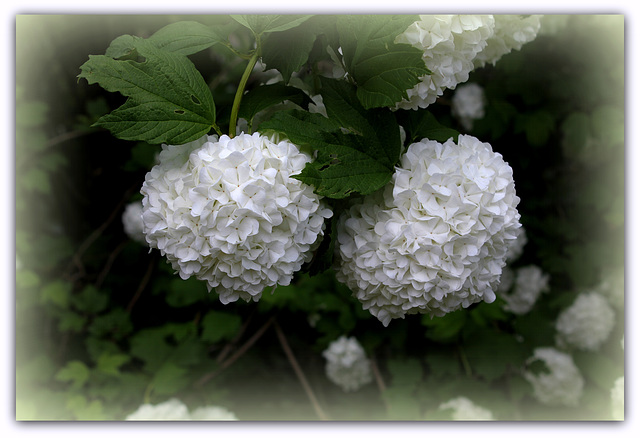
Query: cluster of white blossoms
{"type": "Point", "coordinates": [522, 288]}
{"type": "Point", "coordinates": [228, 212]}
{"type": "Point", "coordinates": [562, 385]}
{"type": "Point", "coordinates": [453, 45]}
{"type": "Point", "coordinates": [347, 364]}
{"type": "Point", "coordinates": [435, 239]}
{"type": "Point", "coordinates": [467, 104]}
{"type": "Point", "coordinates": [132, 222]}
{"type": "Point", "coordinates": [587, 323]}
{"type": "Point", "coordinates": [617, 399]}
{"type": "Point", "coordinates": [466, 410]}
{"type": "Point", "coordinates": [511, 33]}
{"type": "Point", "coordinates": [174, 410]}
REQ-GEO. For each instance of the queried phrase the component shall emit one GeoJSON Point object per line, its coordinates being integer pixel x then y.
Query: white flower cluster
{"type": "Point", "coordinates": [132, 222]}
{"type": "Point", "coordinates": [449, 43]}
{"type": "Point", "coordinates": [467, 104]}
{"type": "Point", "coordinates": [511, 33]}
{"type": "Point", "coordinates": [587, 323]}
{"type": "Point", "coordinates": [453, 45]}
{"type": "Point", "coordinates": [228, 212]}
{"type": "Point", "coordinates": [563, 385]}
{"type": "Point", "coordinates": [466, 410]}
{"type": "Point", "coordinates": [617, 399]}
{"type": "Point", "coordinates": [435, 239]}
{"type": "Point", "coordinates": [174, 410]}
{"type": "Point", "coordinates": [347, 364]}
{"type": "Point", "coordinates": [528, 283]}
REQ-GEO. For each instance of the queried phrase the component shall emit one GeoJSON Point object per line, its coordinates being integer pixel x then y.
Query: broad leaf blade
{"type": "Point", "coordinates": [187, 37]}
{"type": "Point", "coordinates": [422, 124]}
{"type": "Point", "coordinates": [169, 102]}
{"type": "Point", "coordinates": [265, 96]}
{"type": "Point", "coordinates": [382, 69]}
{"type": "Point", "coordinates": [260, 24]}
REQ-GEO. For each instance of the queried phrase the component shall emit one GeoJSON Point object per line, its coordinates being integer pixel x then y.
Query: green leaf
{"type": "Point", "coordinates": [382, 69]}
{"type": "Point", "coordinates": [110, 363]}
{"type": "Point", "coordinates": [56, 292]}
{"type": "Point", "coordinates": [265, 96]}
{"type": "Point", "coordinates": [217, 326]}
{"type": "Point", "coordinates": [75, 372]}
{"type": "Point", "coordinates": [169, 379]}
{"type": "Point", "coordinates": [344, 166]}
{"type": "Point", "coordinates": [422, 124]}
{"type": "Point", "coordinates": [168, 101]}
{"type": "Point", "coordinates": [115, 324]}
{"type": "Point", "coordinates": [184, 293]}
{"type": "Point", "coordinates": [489, 352]}
{"type": "Point", "coordinates": [260, 24]}
{"type": "Point", "coordinates": [187, 37]}
{"type": "Point", "coordinates": [445, 328]}
{"type": "Point", "coordinates": [288, 51]}
{"type": "Point", "coordinates": [90, 300]}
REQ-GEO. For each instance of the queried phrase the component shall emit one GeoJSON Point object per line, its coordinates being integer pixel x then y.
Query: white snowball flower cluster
{"type": "Point", "coordinates": [467, 104]}
{"type": "Point", "coordinates": [435, 239]}
{"type": "Point", "coordinates": [228, 212]}
{"type": "Point", "coordinates": [132, 222]}
{"type": "Point", "coordinates": [454, 45]}
{"type": "Point", "coordinates": [587, 323]}
{"type": "Point", "coordinates": [511, 33]}
{"type": "Point", "coordinates": [528, 283]}
{"type": "Point", "coordinates": [174, 410]}
{"type": "Point", "coordinates": [562, 385]}
{"type": "Point", "coordinates": [466, 410]}
{"type": "Point", "coordinates": [347, 364]}
{"type": "Point", "coordinates": [449, 44]}
{"type": "Point", "coordinates": [617, 399]}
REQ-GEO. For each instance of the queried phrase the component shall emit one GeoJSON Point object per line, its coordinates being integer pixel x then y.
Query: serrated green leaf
{"type": "Point", "coordinates": [110, 363]}
{"type": "Point", "coordinates": [168, 101]}
{"type": "Point", "coordinates": [260, 24]}
{"type": "Point", "coordinates": [169, 379]}
{"type": "Point", "coordinates": [382, 69]}
{"type": "Point", "coordinates": [56, 292]}
{"type": "Point", "coordinates": [116, 324]}
{"type": "Point", "coordinates": [188, 37]}
{"type": "Point", "coordinates": [90, 300]}
{"type": "Point", "coordinates": [288, 51]}
{"type": "Point", "coordinates": [422, 124]}
{"type": "Point", "coordinates": [342, 168]}
{"type": "Point", "coordinates": [265, 96]}
{"type": "Point", "coordinates": [69, 321]}
{"type": "Point", "coordinates": [75, 372]}
{"type": "Point", "coordinates": [217, 326]}
{"type": "Point", "coordinates": [445, 328]}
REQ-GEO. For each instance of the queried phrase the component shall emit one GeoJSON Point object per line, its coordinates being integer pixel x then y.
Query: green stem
{"type": "Point", "coordinates": [240, 91]}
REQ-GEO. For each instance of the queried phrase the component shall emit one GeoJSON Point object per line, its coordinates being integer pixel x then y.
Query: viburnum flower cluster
{"type": "Point", "coordinates": [521, 288]}
{"type": "Point", "coordinates": [466, 410]}
{"type": "Point", "coordinates": [436, 238]}
{"type": "Point", "coordinates": [587, 323]}
{"type": "Point", "coordinates": [467, 104]}
{"type": "Point", "coordinates": [562, 385]}
{"type": "Point", "coordinates": [347, 364]}
{"type": "Point", "coordinates": [617, 399]}
{"type": "Point", "coordinates": [175, 410]}
{"type": "Point", "coordinates": [516, 248]}
{"type": "Point", "coordinates": [453, 45]}
{"type": "Point", "coordinates": [132, 222]}
{"type": "Point", "coordinates": [228, 212]}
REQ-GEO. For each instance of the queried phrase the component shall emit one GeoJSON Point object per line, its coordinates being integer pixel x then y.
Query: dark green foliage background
{"type": "Point", "coordinates": [103, 325]}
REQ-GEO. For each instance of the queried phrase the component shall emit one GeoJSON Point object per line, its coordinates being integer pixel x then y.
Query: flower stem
{"type": "Point", "coordinates": [240, 91]}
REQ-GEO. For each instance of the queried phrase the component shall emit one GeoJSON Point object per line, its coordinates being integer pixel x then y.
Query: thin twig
{"type": "Point", "coordinates": [109, 263]}
{"type": "Point", "coordinates": [142, 285]}
{"type": "Point", "coordinates": [227, 348]}
{"type": "Point", "coordinates": [239, 352]}
{"type": "Point", "coordinates": [303, 380]}
{"type": "Point", "coordinates": [379, 381]}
